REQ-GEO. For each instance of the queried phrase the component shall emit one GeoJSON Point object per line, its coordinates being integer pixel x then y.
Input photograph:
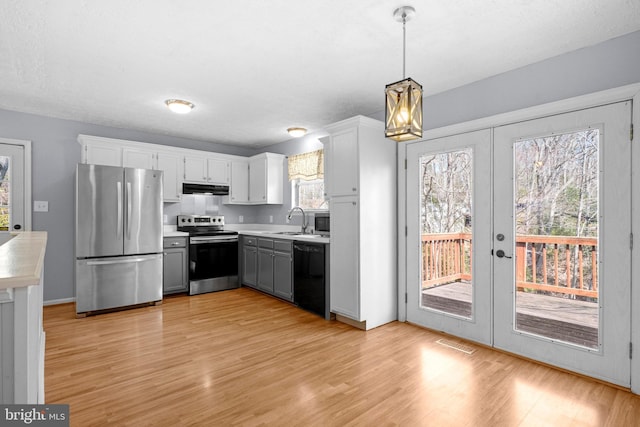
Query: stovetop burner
{"type": "Point", "coordinates": [203, 225]}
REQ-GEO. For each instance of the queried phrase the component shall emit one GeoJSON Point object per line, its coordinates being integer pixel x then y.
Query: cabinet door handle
{"type": "Point", "coordinates": [175, 243]}
{"type": "Point", "coordinates": [354, 188]}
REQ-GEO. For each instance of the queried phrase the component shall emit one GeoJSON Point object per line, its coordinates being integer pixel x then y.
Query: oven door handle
{"type": "Point", "coordinates": [204, 240]}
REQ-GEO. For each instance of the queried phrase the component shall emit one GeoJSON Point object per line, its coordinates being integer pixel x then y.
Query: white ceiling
{"type": "Point", "coordinates": [254, 68]}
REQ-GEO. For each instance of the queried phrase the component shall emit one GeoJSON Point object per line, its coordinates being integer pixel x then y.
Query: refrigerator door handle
{"type": "Point", "coordinates": [119, 261]}
{"type": "Point", "coordinates": [119, 208]}
{"type": "Point", "coordinates": [129, 207]}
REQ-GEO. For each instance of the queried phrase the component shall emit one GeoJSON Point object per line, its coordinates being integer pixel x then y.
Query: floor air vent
{"type": "Point", "coordinates": [457, 346]}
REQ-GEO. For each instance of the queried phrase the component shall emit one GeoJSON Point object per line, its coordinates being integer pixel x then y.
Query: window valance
{"type": "Point", "coordinates": [307, 166]}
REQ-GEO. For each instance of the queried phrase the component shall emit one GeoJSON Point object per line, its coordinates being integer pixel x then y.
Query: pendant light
{"type": "Point", "coordinates": [403, 107]}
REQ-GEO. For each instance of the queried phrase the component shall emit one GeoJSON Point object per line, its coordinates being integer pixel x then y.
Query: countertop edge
{"type": "Point", "coordinates": [22, 259]}
{"type": "Point", "coordinates": [275, 235]}
{"type": "Point", "coordinates": [175, 234]}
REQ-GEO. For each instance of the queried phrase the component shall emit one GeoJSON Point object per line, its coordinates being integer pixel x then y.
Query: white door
{"type": "Point", "coordinates": [562, 224]}
{"type": "Point", "coordinates": [522, 241]}
{"type": "Point", "coordinates": [12, 213]}
{"type": "Point", "coordinates": [448, 235]}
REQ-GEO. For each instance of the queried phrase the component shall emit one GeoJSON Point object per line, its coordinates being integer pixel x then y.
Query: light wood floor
{"type": "Point", "coordinates": [241, 358]}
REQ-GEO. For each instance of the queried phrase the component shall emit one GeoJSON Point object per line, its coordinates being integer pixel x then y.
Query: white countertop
{"type": "Point", "coordinates": [22, 259]}
{"type": "Point", "coordinates": [171, 231]}
{"type": "Point", "coordinates": [175, 234]}
{"type": "Point", "coordinates": [271, 231]}
{"type": "Point", "coordinates": [311, 238]}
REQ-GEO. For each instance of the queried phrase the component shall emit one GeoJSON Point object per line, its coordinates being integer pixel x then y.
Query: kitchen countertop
{"type": "Point", "coordinates": [22, 259]}
{"type": "Point", "coordinates": [311, 238]}
{"type": "Point", "coordinates": [175, 234]}
{"type": "Point", "coordinates": [271, 231]}
{"type": "Point", "coordinates": [171, 231]}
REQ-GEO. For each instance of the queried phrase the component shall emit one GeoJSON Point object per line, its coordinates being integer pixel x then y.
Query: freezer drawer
{"type": "Point", "coordinates": [113, 282]}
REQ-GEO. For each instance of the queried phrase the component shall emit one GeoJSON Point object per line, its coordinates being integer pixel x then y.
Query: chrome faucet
{"type": "Point", "coordinates": [304, 218]}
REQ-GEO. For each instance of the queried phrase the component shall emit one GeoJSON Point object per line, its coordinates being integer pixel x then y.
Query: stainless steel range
{"type": "Point", "coordinates": [213, 253]}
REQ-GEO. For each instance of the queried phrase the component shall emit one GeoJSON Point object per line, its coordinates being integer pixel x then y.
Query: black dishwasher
{"type": "Point", "coordinates": [309, 285]}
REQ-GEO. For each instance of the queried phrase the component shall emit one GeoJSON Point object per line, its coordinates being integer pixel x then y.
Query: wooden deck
{"type": "Point", "coordinates": [563, 319]}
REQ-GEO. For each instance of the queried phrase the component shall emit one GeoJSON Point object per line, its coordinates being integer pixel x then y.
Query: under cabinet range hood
{"type": "Point", "coordinates": [216, 190]}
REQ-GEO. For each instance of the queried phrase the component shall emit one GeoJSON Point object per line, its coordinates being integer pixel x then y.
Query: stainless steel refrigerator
{"type": "Point", "coordinates": [118, 237]}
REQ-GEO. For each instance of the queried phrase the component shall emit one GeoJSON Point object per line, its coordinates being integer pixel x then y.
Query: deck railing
{"type": "Point", "coordinates": [562, 264]}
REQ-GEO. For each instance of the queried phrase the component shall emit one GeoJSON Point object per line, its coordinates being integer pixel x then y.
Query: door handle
{"type": "Point", "coordinates": [119, 208]}
{"type": "Point", "coordinates": [129, 208]}
{"type": "Point", "coordinates": [500, 254]}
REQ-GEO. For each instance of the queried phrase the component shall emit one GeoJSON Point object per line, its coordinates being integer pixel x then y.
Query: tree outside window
{"type": "Point", "coordinates": [306, 174]}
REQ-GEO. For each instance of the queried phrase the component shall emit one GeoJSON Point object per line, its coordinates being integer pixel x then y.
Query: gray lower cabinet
{"type": "Point", "coordinates": [249, 258]}
{"type": "Point", "coordinates": [283, 275]}
{"type": "Point", "coordinates": [175, 276]}
{"type": "Point", "coordinates": [265, 265]}
{"type": "Point", "coordinates": [268, 265]}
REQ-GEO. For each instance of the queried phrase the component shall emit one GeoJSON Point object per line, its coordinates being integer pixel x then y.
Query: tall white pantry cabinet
{"type": "Point", "coordinates": [361, 186]}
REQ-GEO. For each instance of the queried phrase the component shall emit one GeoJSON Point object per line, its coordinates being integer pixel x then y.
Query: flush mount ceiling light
{"type": "Point", "coordinates": [297, 132]}
{"type": "Point", "coordinates": [403, 107]}
{"type": "Point", "coordinates": [179, 106]}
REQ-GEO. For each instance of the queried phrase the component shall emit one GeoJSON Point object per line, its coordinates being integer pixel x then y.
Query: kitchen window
{"type": "Point", "coordinates": [306, 174]}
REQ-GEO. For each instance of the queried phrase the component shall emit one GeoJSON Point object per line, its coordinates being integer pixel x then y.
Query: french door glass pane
{"type": "Point", "coordinates": [445, 221]}
{"type": "Point", "coordinates": [4, 193]}
{"type": "Point", "coordinates": [556, 245]}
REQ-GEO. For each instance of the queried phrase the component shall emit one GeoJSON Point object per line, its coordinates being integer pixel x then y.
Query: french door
{"type": "Point", "coordinates": [519, 238]}
{"type": "Point", "coordinates": [448, 238]}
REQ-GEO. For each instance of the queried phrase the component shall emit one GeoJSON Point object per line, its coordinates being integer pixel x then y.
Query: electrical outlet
{"type": "Point", "coordinates": [271, 218]}
{"type": "Point", "coordinates": [241, 219]}
{"type": "Point", "coordinates": [40, 206]}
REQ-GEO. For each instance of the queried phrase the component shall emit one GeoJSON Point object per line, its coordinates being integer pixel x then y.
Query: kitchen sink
{"type": "Point", "coordinates": [297, 234]}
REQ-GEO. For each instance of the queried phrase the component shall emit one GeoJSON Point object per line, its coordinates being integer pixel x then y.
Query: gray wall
{"type": "Point", "coordinates": [55, 153]}
{"type": "Point", "coordinates": [607, 65]}
{"type": "Point", "coordinates": [55, 150]}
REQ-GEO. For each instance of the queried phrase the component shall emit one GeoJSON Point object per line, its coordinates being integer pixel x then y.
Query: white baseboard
{"type": "Point", "coordinates": [58, 301]}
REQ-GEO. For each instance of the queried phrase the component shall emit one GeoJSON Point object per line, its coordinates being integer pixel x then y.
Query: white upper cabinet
{"type": "Point", "coordinates": [170, 164]}
{"type": "Point", "coordinates": [342, 164]}
{"type": "Point", "coordinates": [195, 169]}
{"type": "Point", "coordinates": [239, 186]}
{"type": "Point", "coordinates": [142, 159]}
{"type": "Point", "coordinates": [206, 170]}
{"type": "Point", "coordinates": [266, 176]}
{"type": "Point", "coordinates": [251, 180]}
{"type": "Point", "coordinates": [257, 180]}
{"type": "Point", "coordinates": [218, 171]}
{"type": "Point", "coordinates": [98, 154]}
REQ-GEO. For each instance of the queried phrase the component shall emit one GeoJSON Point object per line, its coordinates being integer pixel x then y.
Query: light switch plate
{"type": "Point", "coordinates": [40, 206]}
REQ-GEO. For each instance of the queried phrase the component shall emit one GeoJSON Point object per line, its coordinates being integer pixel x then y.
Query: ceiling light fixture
{"type": "Point", "coordinates": [403, 108]}
{"type": "Point", "coordinates": [297, 132]}
{"type": "Point", "coordinates": [179, 106]}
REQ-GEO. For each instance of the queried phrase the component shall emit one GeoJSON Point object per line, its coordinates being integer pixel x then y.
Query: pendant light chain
{"type": "Point", "coordinates": [404, 45]}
